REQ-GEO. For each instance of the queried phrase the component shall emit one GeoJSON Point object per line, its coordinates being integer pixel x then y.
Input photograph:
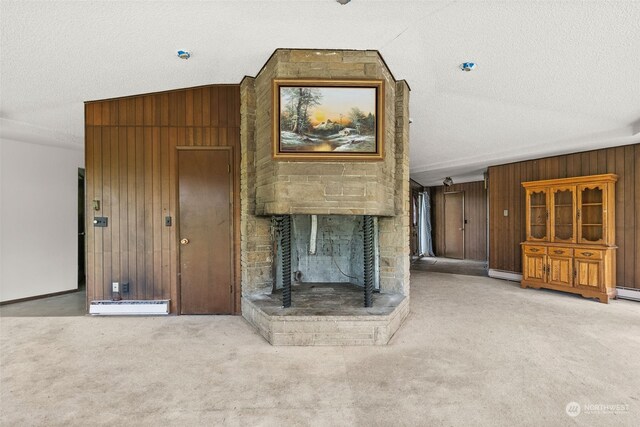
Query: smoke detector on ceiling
{"type": "Point", "coordinates": [467, 66]}
{"type": "Point", "coordinates": [184, 54]}
{"type": "Point", "coordinates": [343, 2]}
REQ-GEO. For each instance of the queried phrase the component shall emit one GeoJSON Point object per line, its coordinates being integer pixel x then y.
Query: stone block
{"type": "Point", "coordinates": [314, 56]}
{"type": "Point", "coordinates": [350, 190]}
{"type": "Point", "coordinates": [332, 190]}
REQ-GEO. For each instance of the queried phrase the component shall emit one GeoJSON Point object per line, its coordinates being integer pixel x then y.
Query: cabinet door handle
{"type": "Point", "coordinates": [587, 253]}
{"type": "Point", "coordinates": [534, 249]}
{"type": "Point", "coordinates": [558, 251]}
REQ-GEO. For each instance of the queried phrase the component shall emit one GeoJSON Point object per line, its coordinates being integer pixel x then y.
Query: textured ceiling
{"type": "Point", "coordinates": [552, 77]}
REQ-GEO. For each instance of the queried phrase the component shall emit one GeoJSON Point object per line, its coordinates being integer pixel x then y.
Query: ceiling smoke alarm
{"type": "Point", "coordinates": [184, 54]}
{"type": "Point", "coordinates": [343, 2]}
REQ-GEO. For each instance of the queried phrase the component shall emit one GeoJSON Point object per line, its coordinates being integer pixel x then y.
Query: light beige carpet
{"type": "Point", "coordinates": [474, 351]}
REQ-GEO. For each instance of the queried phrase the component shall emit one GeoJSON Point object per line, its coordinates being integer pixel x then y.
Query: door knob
{"type": "Point", "coordinates": [184, 241]}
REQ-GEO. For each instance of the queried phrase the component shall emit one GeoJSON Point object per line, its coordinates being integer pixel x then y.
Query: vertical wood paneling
{"type": "Point", "coordinates": [131, 112]}
{"type": "Point", "coordinates": [189, 107]}
{"type": "Point", "coordinates": [165, 211]}
{"type": "Point", "coordinates": [197, 107]}
{"type": "Point", "coordinates": [139, 111]}
{"type": "Point", "coordinates": [629, 226]}
{"type": "Point", "coordinates": [106, 208]}
{"type": "Point", "coordinates": [139, 287]}
{"type": "Point", "coordinates": [206, 107]}
{"type": "Point", "coordinates": [637, 213]}
{"type": "Point", "coordinates": [114, 187]}
{"type": "Point", "coordinates": [131, 169]}
{"type": "Point", "coordinates": [149, 110]}
{"type": "Point", "coordinates": [106, 119]}
{"type": "Point", "coordinates": [131, 231]}
{"type": "Point", "coordinates": [90, 180]}
{"type": "Point", "coordinates": [505, 192]}
{"type": "Point", "coordinates": [96, 285]}
{"type": "Point", "coordinates": [148, 212]}
{"type": "Point", "coordinates": [223, 116]}
{"type": "Point", "coordinates": [173, 246]}
{"type": "Point", "coordinates": [164, 109]}
{"type": "Point", "coordinates": [620, 191]}
{"type": "Point", "coordinates": [156, 215]}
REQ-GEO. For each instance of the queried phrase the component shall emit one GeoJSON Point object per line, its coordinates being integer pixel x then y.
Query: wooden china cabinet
{"type": "Point", "coordinates": [570, 242]}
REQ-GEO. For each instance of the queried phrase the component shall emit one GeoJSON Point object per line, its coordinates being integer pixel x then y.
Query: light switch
{"type": "Point", "coordinates": [100, 221]}
{"type": "Point", "coordinates": [506, 212]}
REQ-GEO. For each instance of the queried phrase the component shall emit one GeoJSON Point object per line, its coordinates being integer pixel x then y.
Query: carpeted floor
{"type": "Point", "coordinates": [474, 351]}
{"type": "Point", "coordinates": [73, 304]}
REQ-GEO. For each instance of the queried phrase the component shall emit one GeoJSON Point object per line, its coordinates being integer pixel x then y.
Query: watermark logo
{"type": "Point", "coordinates": [573, 409]}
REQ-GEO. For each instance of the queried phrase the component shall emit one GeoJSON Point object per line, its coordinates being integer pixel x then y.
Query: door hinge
{"type": "Point", "coordinates": [228, 168]}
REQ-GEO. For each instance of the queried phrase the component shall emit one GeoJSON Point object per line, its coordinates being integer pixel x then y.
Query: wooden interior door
{"type": "Point", "coordinates": [205, 231]}
{"type": "Point", "coordinates": [454, 225]}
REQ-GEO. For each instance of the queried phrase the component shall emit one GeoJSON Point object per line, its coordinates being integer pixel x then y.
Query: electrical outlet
{"type": "Point", "coordinates": [125, 288]}
{"type": "Point", "coordinates": [115, 287]}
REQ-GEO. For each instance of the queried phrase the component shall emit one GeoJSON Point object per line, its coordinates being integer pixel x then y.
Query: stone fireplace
{"type": "Point", "coordinates": [304, 223]}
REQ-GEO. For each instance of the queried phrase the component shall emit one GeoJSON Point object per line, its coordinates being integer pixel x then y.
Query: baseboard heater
{"type": "Point", "coordinates": [129, 307]}
{"type": "Point", "coordinates": [505, 275]}
{"type": "Point", "coordinates": [628, 293]}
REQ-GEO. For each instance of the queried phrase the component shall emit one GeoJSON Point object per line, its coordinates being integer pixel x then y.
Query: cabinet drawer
{"type": "Point", "coordinates": [589, 253]}
{"type": "Point", "coordinates": [535, 250]}
{"type": "Point", "coordinates": [560, 252]}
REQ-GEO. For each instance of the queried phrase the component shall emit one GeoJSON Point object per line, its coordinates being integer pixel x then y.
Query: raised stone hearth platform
{"type": "Point", "coordinates": [326, 314]}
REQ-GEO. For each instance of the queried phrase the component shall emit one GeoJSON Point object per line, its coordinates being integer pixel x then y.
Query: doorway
{"type": "Point", "coordinates": [454, 225]}
{"type": "Point", "coordinates": [205, 230]}
{"type": "Point", "coordinates": [81, 230]}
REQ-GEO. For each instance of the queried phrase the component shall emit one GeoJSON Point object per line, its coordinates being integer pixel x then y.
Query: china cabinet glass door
{"type": "Point", "coordinates": [562, 218]}
{"type": "Point", "coordinates": [538, 214]}
{"type": "Point", "coordinates": [590, 214]}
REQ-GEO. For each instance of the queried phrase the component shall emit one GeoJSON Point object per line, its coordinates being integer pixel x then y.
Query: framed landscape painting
{"type": "Point", "coordinates": [328, 119]}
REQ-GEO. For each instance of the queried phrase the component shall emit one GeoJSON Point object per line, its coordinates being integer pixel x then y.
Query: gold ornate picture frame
{"type": "Point", "coordinates": [328, 120]}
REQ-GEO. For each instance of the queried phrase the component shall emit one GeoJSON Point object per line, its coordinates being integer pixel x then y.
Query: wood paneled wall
{"type": "Point", "coordinates": [506, 192]}
{"type": "Point", "coordinates": [475, 212]}
{"type": "Point", "coordinates": [131, 154]}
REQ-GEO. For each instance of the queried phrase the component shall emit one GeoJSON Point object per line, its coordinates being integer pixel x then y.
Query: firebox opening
{"type": "Point", "coordinates": [327, 249]}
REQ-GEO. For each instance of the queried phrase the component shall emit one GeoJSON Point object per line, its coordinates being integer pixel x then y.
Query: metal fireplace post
{"type": "Point", "coordinates": [284, 227]}
{"type": "Point", "coordinates": [368, 260]}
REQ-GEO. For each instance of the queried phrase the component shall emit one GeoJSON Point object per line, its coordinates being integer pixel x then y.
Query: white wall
{"type": "Point", "coordinates": [38, 218]}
